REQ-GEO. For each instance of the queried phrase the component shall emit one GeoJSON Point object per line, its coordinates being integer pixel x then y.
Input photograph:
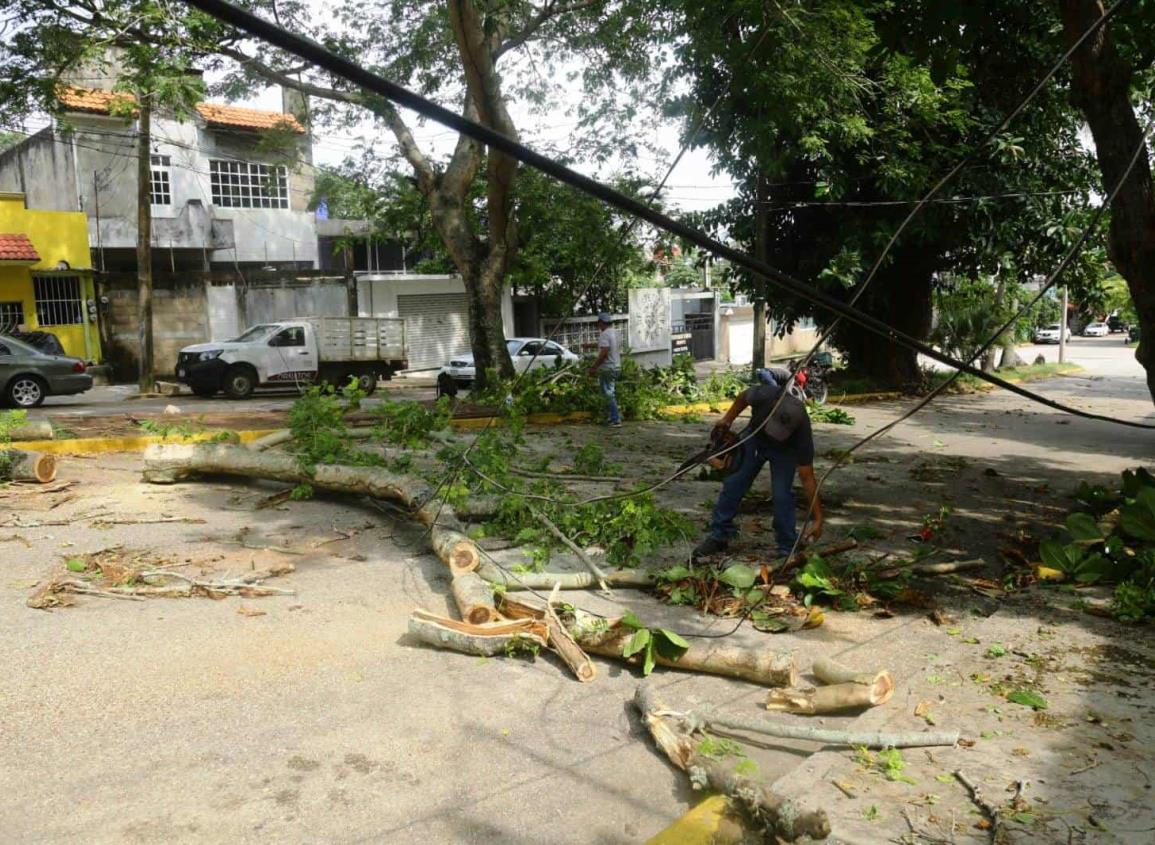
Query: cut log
{"type": "Point", "coordinates": [488, 640]}
{"type": "Point", "coordinates": [32, 430]}
{"type": "Point", "coordinates": [829, 699]}
{"type": "Point", "coordinates": [170, 463]}
{"type": "Point", "coordinates": [474, 598]}
{"type": "Point", "coordinates": [626, 578]}
{"type": "Point", "coordinates": [19, 465]}
{"type": "Point", "coordinates": [562, 642]}
{"type": "Point", "coordinates": [829, 671]}
{"type": "Point", "coordinates": [609, 637]}
{"type": "Point", "coordinates": [776, 816]}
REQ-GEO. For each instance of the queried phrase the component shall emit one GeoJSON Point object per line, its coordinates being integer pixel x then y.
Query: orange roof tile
{"type": "Point", "coordinates": [99, 102]}
{"type": "Point", "coordinates": [219, 115]}
{"type": "Point", "coordinates": [17, 248]}
{"type": "Point", "coordinates": [91, 100]}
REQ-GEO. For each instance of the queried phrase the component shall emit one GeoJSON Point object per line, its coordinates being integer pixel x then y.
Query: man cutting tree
{"type": "Point", "coordinates": [785, 441]}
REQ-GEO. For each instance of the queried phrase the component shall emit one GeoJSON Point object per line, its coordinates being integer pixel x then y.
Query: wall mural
{"type": "Point", "coordinates": [649, 319]}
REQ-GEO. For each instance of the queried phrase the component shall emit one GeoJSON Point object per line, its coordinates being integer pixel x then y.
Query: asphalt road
{"type": "Point", "coordinates": [1099, 356]}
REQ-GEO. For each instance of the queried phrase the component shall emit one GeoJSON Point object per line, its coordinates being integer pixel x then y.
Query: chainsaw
{"type": "Point", "coordinates": [721, 440]}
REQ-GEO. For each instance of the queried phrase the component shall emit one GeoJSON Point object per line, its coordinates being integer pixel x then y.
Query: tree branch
{"type": "Point", "coordinates": [544, 14]}
{"type": "Point", "coordinates": [426, 176]}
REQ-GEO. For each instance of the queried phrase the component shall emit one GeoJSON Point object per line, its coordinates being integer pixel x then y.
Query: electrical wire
{"type": "Point", "coordinates": [311, 51]}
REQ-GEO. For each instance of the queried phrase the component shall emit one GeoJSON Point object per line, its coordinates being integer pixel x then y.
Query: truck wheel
{"type": "Point", "coordinates": [240, 382]}
{"type": "Point", "coordinates": [366, 382]}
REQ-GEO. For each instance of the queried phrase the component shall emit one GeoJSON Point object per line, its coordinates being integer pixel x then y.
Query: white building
{"type": "Point", "coordinates": [230, 186]}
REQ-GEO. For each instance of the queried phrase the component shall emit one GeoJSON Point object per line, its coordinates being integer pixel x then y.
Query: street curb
{"type": "Point", "coordinates": [104, 445]}
{"type": "Point", "coordinates": [138, 443]}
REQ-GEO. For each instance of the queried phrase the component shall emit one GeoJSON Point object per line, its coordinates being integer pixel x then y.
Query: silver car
{"type": "Point", "coordinates": [28, 376]}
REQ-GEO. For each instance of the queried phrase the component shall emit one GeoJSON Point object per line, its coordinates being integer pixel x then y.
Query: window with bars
{"type": "Point", "coordinates": [241, 184]}
{"type": "Point", "coordinates": [58, 300]}
{"type": "Point", "coordinates": [160, 182]}
{"type": "Point", "coordinates": [11, 316]}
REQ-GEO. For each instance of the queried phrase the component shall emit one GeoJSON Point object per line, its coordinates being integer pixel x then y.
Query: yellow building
{"type": "Point", "coordinates": [46, 275]}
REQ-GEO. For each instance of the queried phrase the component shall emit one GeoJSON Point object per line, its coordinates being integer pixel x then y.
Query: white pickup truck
{"type": "Point", "coordinates": [297, 352]}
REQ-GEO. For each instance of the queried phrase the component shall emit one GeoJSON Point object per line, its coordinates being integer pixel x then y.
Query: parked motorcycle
{"type": "Point", "coordinates": [809, 383]}
{"type": "Point", "coordinates": [811, 380]}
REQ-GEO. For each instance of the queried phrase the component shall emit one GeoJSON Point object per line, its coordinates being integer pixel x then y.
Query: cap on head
{"type": "Point", "coordinates": [605, 319]}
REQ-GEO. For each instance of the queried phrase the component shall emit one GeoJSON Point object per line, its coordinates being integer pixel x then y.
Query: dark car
{"type": "Point", "coordinates": [28, 376]}
{"type": "Point", "coordinates": [1115, 325]}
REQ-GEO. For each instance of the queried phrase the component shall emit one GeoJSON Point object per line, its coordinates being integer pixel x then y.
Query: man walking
{"type": "Point", "coordinates": [785, 441]}
{"type": "Point", "coordinates": [608, 365]}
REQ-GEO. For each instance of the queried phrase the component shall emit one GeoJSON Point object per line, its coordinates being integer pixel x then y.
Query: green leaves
{"type": "Point", "coordinates": [1027, 698]}
{"type": "Point", "coordinates": [1138, 518]}
{"type": "Point", "coordinates": [1083, 528]}
{"type": "Point", "coordinates": [739, 576]}
{"type": "Point", "coordinates": [651, 644]}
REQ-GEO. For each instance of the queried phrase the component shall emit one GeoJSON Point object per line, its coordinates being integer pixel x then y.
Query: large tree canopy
{"type": "Point", "coordinates": [834, 130]}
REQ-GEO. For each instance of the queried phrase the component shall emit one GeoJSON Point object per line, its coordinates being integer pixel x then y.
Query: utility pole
{"type": "Point", "coordinates": [1063, 328]}
{"type": "Point", "coordinates": [147, 383]}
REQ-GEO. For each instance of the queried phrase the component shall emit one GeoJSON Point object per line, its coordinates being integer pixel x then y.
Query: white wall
{"type": "Point", "coordinates": [377, 295]}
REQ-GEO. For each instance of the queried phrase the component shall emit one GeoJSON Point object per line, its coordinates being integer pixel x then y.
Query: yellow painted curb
{"type": "Point", "coordinates": [103, 445]}
{"type": "Point", "coordinates": [706, 824]}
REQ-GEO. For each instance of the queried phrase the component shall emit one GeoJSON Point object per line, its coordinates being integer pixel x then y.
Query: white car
{"type": "Point", "coordinates": [526, 352]}
{"type": "Point", "coordinates": [1050, 334]}
{"type": "Point", "coordinates": [1096, 330]}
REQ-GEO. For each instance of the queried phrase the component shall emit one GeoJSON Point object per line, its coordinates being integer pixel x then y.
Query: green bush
{"type": "Point", "coordinates": [1111, 540]}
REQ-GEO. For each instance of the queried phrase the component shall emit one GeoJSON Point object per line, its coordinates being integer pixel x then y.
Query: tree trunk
{"type": "Point", "coordinates": [487, 640]}
{"type": "Point", "coordinates": [169, 463]}
{"type": "Point", "coordinates": [1101, 89]}
{"type": "Point", "coordinates": [761, 252]}
{"type": "Point", "coordinates": [147, 380]}
{"type": "Point", "coordinates": [1010, 351]}
{"type": "Point", "coordinates": [900, 295]}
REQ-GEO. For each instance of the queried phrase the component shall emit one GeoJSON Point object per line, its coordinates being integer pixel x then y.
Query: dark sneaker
{"type": "Point", "coordinates": [615, 425]}
{"type": "Point", "coordinates": [708, 547]}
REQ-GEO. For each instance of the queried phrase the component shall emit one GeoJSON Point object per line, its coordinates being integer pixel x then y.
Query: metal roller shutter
{"type": "Point", "coordinates": [436, 327]}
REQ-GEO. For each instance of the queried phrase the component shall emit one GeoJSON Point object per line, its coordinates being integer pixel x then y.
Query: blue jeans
{"type": "Point", "coordinates": [607, 378]}
{"type": "Point", "coordinates": [737, 484]}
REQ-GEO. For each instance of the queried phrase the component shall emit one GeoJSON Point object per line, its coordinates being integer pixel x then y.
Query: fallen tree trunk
{"type": "Point", "coordinates": [829, 671]}
{"type": "Point", "coordinates": [609, 637]}
{"type": "Point", "coordinates": [486, 640]}
{"type": "Point", "coordinates": [170, 463]}
{"type": "Point", "coordinates": [19, 465]}
{"type": "Point", "coordinates": [568, 580]}
{"type": "Point", "coordinates": [769, 813]}
{"type": "Point", "coordinates": [32, 430]}
{"type": "Point", "coordinates": [474, 598]}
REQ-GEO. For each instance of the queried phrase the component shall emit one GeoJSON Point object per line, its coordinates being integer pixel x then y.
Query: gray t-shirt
{"type": "Point", "coordinates": [609, 340]}
{"type": "Point", "coordinates": [789, 429]}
